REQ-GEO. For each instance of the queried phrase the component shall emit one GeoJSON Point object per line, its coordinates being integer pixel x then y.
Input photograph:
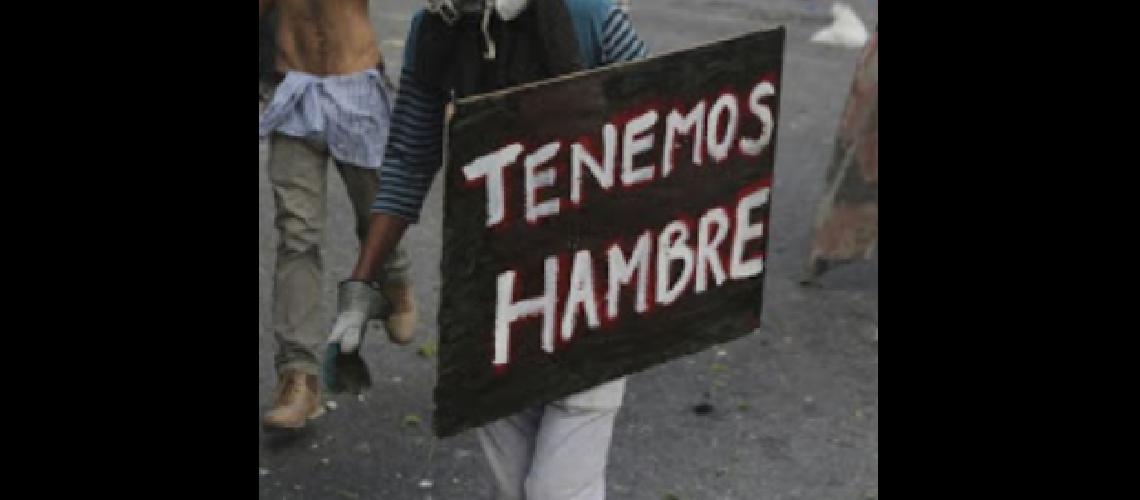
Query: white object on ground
{"type": "Point", "coordinates": [846, 31]}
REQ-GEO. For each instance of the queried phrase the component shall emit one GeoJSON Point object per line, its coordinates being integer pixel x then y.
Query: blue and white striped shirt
{"type": "Point", "coordinates": [415, 145]}
{"type": "Point", "coordinates": [349, 113]}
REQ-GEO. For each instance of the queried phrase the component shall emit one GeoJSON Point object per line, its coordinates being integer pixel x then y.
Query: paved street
{"type": "Point", "coordinates": [794, 407]}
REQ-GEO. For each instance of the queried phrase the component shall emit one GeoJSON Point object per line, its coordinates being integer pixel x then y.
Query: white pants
{"type": "Point", "coordinates": [555, 452]}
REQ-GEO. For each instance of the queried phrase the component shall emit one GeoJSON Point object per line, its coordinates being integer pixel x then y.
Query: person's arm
{"type": "Point", "coordinates": [384, 234]}
{"type": "Point", "coordinates": [413, 157]}
{"type": "Point", "coordinates": [620, 42]}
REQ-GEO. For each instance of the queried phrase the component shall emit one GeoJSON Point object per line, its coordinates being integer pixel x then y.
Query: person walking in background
{"type": "Point", "coordinates": [328, 98]}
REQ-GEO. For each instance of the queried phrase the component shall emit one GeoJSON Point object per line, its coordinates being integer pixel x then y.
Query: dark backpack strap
{"type": "Point", "coordinates": [435, 52]}
{"type": "Point", "coordinates": [559, 41]}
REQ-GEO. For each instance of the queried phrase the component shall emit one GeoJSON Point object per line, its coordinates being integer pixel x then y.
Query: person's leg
{"type": "Point", "coordinates": [573, 445]}
{"type": "Point", "coordinates": [509, 447]}
{"type": "Point", "coordinates": [395, 279]}
{"type": "Point", "coordinates": [297, 175]}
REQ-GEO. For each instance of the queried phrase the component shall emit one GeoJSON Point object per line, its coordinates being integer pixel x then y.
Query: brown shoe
{"type": "Point", "coordinates": [298, 401]}
{"type": "Point", "coordinates": [401, 325]}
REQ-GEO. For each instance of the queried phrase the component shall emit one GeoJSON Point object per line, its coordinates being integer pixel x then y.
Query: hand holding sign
{"type": "Point", "coordinates": [359, 302]}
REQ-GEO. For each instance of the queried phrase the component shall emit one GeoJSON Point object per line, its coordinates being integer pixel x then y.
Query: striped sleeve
{"type": "Point", "coordinates": [415, 142]}
{"type": "Point", "coordinates": [620, 42]}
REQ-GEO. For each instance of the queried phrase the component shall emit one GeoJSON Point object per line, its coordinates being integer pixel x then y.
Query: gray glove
{"type": "Point", "coordinates": [359, 302]}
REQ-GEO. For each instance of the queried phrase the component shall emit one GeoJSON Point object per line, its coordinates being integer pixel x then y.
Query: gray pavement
{"type": "Point", "coordinates": [794, 407]}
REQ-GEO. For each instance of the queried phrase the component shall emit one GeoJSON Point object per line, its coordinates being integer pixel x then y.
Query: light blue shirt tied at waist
{"type": "Point", "coordinates": [349, 113]}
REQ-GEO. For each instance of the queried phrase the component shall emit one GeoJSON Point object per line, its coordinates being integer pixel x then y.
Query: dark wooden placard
{"type": "Point", "coordinates": [528, 234]}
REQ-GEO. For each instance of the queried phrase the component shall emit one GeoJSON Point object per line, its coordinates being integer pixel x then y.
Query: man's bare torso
{"type": "Point", "coordinates": [325, 37]}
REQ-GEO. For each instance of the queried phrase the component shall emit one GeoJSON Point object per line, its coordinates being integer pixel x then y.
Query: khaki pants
{"type": "Point", "coordinates": [298, 174]}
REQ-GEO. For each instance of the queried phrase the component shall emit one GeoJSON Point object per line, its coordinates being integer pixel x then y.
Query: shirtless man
{"type": "Point", "coordinates": [330, 99]}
